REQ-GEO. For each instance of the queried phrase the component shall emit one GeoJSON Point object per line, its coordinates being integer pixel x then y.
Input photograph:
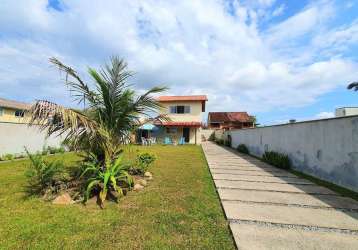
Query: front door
{"type": "Point", "coordinates": [186, 134]}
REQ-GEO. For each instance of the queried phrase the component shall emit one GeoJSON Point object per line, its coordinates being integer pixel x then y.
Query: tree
{"type": "Point", "coordinates": [112, 110]}
{"type": "Point", "coordinates": [353, 85]}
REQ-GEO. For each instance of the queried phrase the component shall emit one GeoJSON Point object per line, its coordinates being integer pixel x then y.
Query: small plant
{"type": "Point", "coordinates": [277, 159]}
{"type": "Point", "coordinates": [44, 151]}
{"type": "Point", "coordinates": [145, 160]}
{"type": "Point", "coordinates": [242, 149]}
{"type": "Point", "coordinates": [8, 157]}
{"type": "Point", "coordinates": [211, 137]}
{"type": "Point", "coordinates": [219, 141]}
{"type": "Point", "coordinates": [61, 150]}
{"type": "Point", "coordinates": [106, 179]}
{"type": "Point", "coordinates": [42, 175]}
{"type": "Point", "coordinates": [51, 150]}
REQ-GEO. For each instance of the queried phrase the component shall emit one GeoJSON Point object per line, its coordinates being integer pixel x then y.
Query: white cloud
{"type": "Point", "coordinates": [191, 46]}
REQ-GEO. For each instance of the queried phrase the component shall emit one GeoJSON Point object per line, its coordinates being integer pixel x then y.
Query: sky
{"type": "Point", "coordinates": [277, 60]}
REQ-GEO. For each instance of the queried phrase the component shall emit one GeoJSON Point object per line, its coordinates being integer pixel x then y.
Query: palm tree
{"type": "Point", "coordinates": [353, 85]}
{"type": "Point", "coordinates": [112, 110]}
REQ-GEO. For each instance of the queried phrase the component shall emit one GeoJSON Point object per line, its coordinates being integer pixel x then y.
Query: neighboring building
{"type": "Point", "coordinates": [13, 111]}
{"type": "Point", "coordinates": [230, 120]}
{"type": "Point", "coordinates": [346, 111]}
{"type": "Point", "coordinates": [185, 119]}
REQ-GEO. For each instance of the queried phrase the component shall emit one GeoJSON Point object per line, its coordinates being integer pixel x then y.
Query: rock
{"type": "Point", "coordinates": [137, 187]}
{"type": "Point", "coordinates": [148, 174]}
{"type": "Point", "coordinates": [63, 199]}
{"type": "Point", "coordinates": [142, 182]}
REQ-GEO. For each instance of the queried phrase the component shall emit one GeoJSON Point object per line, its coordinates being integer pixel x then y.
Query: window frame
{"type": "Point", "coordinates": [186, 109]}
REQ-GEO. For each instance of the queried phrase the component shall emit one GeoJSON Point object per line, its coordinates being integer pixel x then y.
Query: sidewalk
{"type": "Point", "coordinates": [270, 208]}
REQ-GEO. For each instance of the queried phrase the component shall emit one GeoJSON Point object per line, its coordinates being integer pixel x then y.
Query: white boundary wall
{"type": "Point", "coordinates": [14, 136]}
{"type": "Point", "coordinates": [327, 149]}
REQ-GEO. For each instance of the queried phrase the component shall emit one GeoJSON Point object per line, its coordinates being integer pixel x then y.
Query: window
{"type": "Point", "coordinates": [171, 130]}
{"type": "Point", "coordinates": [19, 113]}
{"type": "Point", "coordinates": [1, 111]}
{"type": "Point", "coordinates": [179, 109]}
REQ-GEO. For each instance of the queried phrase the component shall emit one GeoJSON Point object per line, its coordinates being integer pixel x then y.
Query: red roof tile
{"type": "Point", "coordinates": [183, 124]}
{"type": "Point", "coordinates": [174, 98]}
{"type": "Point", "coordinates": [229, 117]}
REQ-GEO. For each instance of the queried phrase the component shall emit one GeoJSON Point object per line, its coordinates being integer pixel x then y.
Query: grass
{"type": "Point", "coordinates": [179, 209]}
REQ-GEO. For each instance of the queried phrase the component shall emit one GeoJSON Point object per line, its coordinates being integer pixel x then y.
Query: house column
{"type": "Point", "coordinates": [195, 135]}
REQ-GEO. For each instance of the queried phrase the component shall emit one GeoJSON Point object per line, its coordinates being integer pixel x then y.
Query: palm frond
{"type": "Point", "coordinates": [59, 120]}
{"type": "Point", "coordinates": [79, 89]}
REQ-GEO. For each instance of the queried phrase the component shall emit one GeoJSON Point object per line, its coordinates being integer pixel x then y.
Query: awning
{"type": "Point", "coordinates": [180, 124]}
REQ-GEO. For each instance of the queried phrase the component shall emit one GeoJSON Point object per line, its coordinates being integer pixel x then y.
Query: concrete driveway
{"type": "Point", "coordinates": [269, 208]}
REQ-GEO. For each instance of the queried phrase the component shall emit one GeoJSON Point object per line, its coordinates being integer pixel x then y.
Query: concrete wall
{"type": "Point", "coordinates": [327, 149]}
{"type": "Point", "coordinates": [14, 136]}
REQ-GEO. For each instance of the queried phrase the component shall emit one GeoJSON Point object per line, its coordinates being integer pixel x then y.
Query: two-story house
{"type": "Point", "coordinates": [185, 119]}
{"type": "Point", "coordinates": [14, 111]}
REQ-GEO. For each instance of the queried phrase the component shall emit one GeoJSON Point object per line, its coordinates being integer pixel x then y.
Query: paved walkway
{"type": "Point", "coordinates": [269, 208]}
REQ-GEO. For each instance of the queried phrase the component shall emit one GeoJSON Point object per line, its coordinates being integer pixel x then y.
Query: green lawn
{"type": "Point", "coordinates": [178, 210]}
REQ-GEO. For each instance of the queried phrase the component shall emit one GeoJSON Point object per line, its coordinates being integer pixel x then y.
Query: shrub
{"type": "Point", "coordinates": [44, 151]}
{"type": "Point", "coordinates": [51, 150]}
{"type": "Point", "coordinates": [219, 141]}
{"type": "Point", "coordinates": [277, 159]}
{"type": "Point", "coordinates": [42, 175]}
{"type": "Point", "coordinates": [8, 157]}
{"type": "Point", "coordinates": [145, 160]}
{"type": "Point", "coordinates": [61, 150]}
{"type": "Point", "coordinates": [243, 149]}
{"type": "Point", "coordinates": [227, 143]}
{"type": "Point", "coordinates": [106, 180]}
{"type": "Point", "coordinates": [212, 137]}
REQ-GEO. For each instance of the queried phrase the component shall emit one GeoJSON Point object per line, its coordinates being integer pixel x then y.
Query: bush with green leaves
{"type": "Point", "coordinates": [61, 150]}
{"type": "Point", "coordinates": [8, 157]}
{"type": "Point", "coordinates": [277, 159]}
{"type": "Point", "coordinates": [242, 149]}
{"type": "Point", "coordinates": [42, 175]}
{"type": "Point", "coordinates": [105, 180]}
{"type": "Point", "coordinates": [145, 160]}
{"type": "Point", "coordinates": [212, 137]}
{"type": "Point", "coordinates": [219, 141]}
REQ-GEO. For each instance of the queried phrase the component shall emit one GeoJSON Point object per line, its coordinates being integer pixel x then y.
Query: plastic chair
{"type": "Point", "coordinates": [144, 141]}
{"type": "Point", "coordinates": [181, 141]}
{"type": "Point", "coordinates": [153, 140]}
{"type": "Point", "coordinates": [167, 141]}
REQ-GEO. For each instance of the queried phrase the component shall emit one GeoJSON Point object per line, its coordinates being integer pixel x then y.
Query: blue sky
{"type": "Point", "coordinates": [276, 59]}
